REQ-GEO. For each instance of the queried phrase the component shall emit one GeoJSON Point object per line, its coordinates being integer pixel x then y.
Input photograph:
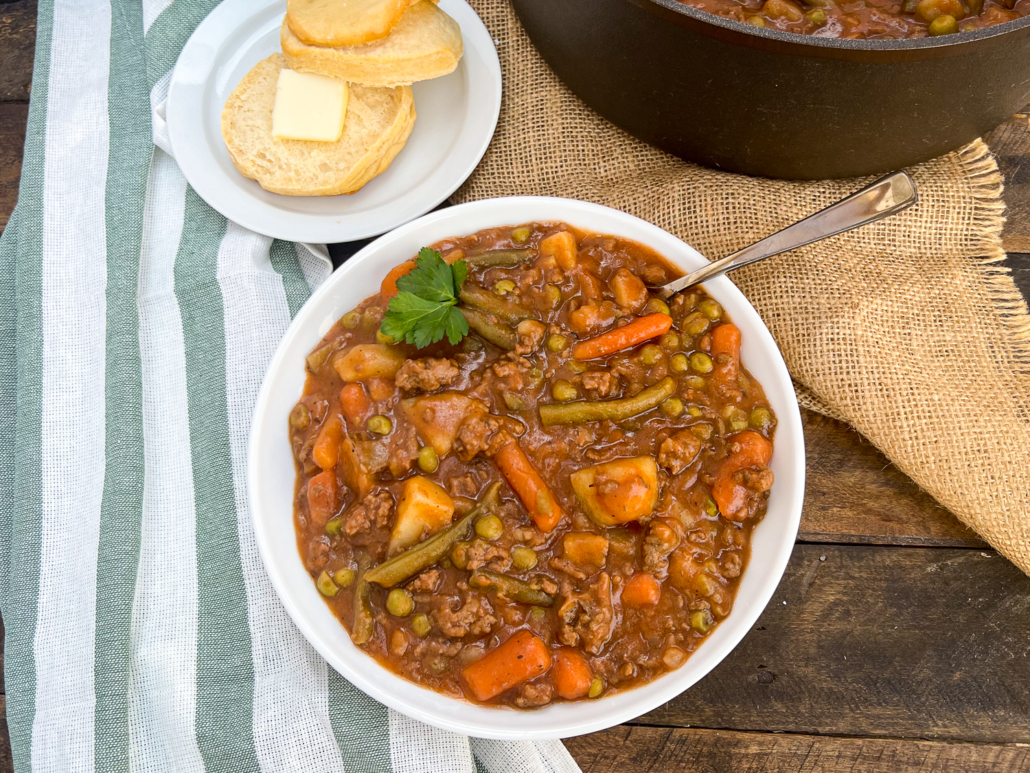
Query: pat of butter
{"type": "Point", "coordinates": [308, 107]}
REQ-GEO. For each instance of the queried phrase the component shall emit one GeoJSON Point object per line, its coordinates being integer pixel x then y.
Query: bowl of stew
{"type": "Point", "coordinates": [796, 89]}
{"type": "Point", "coordinates": [557, 516]}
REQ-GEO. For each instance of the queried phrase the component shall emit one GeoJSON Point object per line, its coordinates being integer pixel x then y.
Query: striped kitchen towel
{"type": "Point", "coordinates": [141, 631]}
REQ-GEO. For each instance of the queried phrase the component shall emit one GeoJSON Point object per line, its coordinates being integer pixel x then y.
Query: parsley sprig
{"type": "Point", "coordinates": [424, 309]}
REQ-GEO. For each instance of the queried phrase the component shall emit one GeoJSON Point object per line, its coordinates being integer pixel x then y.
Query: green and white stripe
{"type": "Point", "coordinates": [142, 633]}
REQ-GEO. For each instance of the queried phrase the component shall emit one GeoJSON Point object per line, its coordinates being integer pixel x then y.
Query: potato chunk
{"type": "Point", "coordinates": [618, 492]}
{"type": "Point", "coordinates": [562, 246]}
{"type": "Point", "coordinates": [437, 418]}
{"type": "Point", "coordinates": [585, 549]}
{"type": "Point", "coordinates": [367, 361]}
{"type": "Point", "coordinates": [425, 508]}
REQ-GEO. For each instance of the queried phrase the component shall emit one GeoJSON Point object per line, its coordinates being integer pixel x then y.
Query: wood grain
{"type": "Point", "coordinates": [874, 641]}
{"type": "Point", "coordinates": [1010, 143]}
{"type": "Point", "coordinates": [647, 749]}
{"type": "Point", "coordinates": [12, 138]}
{"type": "Point", "coordinates": [17, 47]}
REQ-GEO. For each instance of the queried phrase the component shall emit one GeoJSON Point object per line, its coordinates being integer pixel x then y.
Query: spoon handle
{"type": "Point", "coordinates": [885, 197]}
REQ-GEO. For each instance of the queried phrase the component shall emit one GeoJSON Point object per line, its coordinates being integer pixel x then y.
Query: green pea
{"type": "Point", "coordinates": [577, 367]}
{"type": "Point", "coordinates": [538, 614]}
{"type": "Point", "coordinates": [762, 419]}
{"type": "Point", "coordinates": [521, 234]}
{"type": "Point", "coordinates": [325, 585]}
{"type": "Point", "coordinates": [563, 391]}
{"type": "Point", "coordinates": [701, 621]}
{"type": "Point", "coordinates": [513, 401]}
{"type": "Point", "coordinates": [383, 338]}
{"type": "Point", "coordinates": [673, 407]}
{"type": "Point", "coordinates": [701, 362]}
{"type": "Point", "coordinates": [553, 296]}
{"type": "Point", "coordinates": [696, 382]}
{"type": "Point", "coordinates": [399, 603]}
{"type": "Point", "coordinates": [679, 363]}
{"type": "Point", "coordinates": [710, 309]}
{"type": "Point", "coordinates": [670, 341]}
{"type": "Point", "coordinates": [333, 526]}
{"type": "Point", "coordinates": [489, 527]}
{"type": "Point", "coordinates": [380, 425]}
{"type": "Point", "coordinates": [817, 16]}
{"type": "Point", "coordinates": [343, 577]}
{"type": "Point", "coordinates": [428, 461]}
{"type": "Point", "coordinates": [504, 286]}
{"type": "Point", "coordinates": [523, 558]}
{"type": "Point", "coordinates": [693, 411]}
{"type": "Point", "coordinates": [300, 416]}
{"type": "Point", "coordinates": [656, 306]}
{"type": "Point", "coordinates": [596, 688]}
{"type": "Point", "coordinates": [651, 354]}
{"type": "Point", "coordinates": [756, 21]}
{"type": "Point", "coordinates": [557, 342]}
{"type": "Point", "coordinates": [421, 626]}
{"type": "Point", "coordinates": [702, 431]}
{"type": "Point", "coordinates": [536, 376]}
{"type": "Point", "coordinates": [460, 555]}
{"type": "Point", "coordinates": [943, 25]}
{"type": "Point", "coordinates": [351, 319]}
{"type": "Point", "coordinates": [696, 324]}
{"type": "Point", "coordinates": [711, 509]}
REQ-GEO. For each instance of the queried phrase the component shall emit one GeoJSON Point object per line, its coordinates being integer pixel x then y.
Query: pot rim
{"type": "Point", "coordinates": [747, 34]}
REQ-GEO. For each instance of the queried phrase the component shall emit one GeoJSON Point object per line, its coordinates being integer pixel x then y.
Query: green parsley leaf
{"type": "Point", "coordinates": [423, 311]}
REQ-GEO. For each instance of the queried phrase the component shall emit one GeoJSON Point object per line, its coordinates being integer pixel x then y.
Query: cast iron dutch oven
{"type": "Point", "coordinates": [775, 104]}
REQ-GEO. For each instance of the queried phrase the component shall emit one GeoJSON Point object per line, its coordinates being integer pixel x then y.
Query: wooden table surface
{"type": "Point", "coordinates": [896, 641]}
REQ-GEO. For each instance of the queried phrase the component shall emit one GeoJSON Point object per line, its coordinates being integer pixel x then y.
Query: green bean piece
{"type": "Point", "coordinates": [405, 565]}
{"type": "Point", "coordinates": [399, 603]}
{"type": "Point", "coordinates": [673, 407]}
{"type": "Point", "coordinates": [553, 295]}
{"type": "Point", "coordinates": [318, 357]}
{"type": "Point", "coordinates": [610, 410]}
{"type": "Point", "coordinates": [428, 461]}
{"type": "Point", "coordinates": [537, 614]}
{"type": "Point", "coordinates": [489, 527]}
{"type": "Point", "coordinates": [557, 342]}
{"type": "Point", "coordinates": [504, 286]}
{"type": "Point", "coordinates": [344, 577]}
{"type": "Point", "coordinates": [500, 258]}
{"type": "Point", "coordinates": [511, 588]}
{"type": "Point", "coordinates": [596, 688]}
{"type": "Point", "coordinates": [701, 362]}
{"type": "Point", "coordinates": [656, 306]}
{"type": "Point", "coordinates": [817, 16]}
{"type": "Point", "coordinates": [351, 319]}
{"type": "Point", "coordinates": [521, 234]}
{"type": "Point", "coordinates": [490, 303]}
{"type": "Point", "coordinates": [490, 328]}
{"type": "Point", "coordinates": [364, 622]}
{"type": "Point", "coordinates": [577, 367]}
{"type": "Point", "coordinates": [702, 621]}
{"type": "Point", "coordinates": [696, 324]}
{"type": "Point", "coordinates": [943, 25]}
{"type": "Point", "coordinates": [421, 626]}
{"type": "Point", "coordinates": [761, 419]}
{"type": "Point", "coordinates": [325, 585]}
{"type": "Point", "coordinates": [679, 363]}
{"type": "Point", "coordinates": [513, 401]}
{"type": "Point", "coordinates": [300, 416]}
{"type": "Point", "coordinates": [333, 526]}
{"type": "Point", "coordinates": [523, 558]}
{"type": "Point", "coordinates": [379, 425]}
{"type": "Point", "coordinates": [651, 354]}
{"type": "Point", "coordinates": [711, 309]}
{"type": "Point", "coordinates": [564, 391]}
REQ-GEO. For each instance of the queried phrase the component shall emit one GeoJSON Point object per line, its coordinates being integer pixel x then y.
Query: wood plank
{"type": "Point", "coordinates": [1010, 143]}
{"type": "Point", "coordinates": [873, 641]}
{"type": "Point", "coordinates": [17, 49]}
{"type": "Point", "coordinates": [646, 749]}
{"type": "Point", "coordinates": [853, 494]}
{"type": "Point", "coordinates": [12, 138]}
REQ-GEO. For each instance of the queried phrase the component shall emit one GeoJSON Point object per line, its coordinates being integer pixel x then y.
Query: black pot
{"type": "Point", "coordinates": [778, 104]}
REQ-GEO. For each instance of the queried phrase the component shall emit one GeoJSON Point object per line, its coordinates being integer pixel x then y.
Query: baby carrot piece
{"type": "Point", "coordinates": [751, 450]}
{"type": "Point", "coordinates": [626, 337]}
{"type": "Point", "coordinates": [642, 590]}
{"type": "Point", "coordinates": [726, 353]}
{"type": "Point", "coordinates": [326, 451]}
{"type": "Point", "coordinates": [526, 482]}
{"type": "Point", "coordinates": [355, 404]}
{"type": "Point", "coordinates": [571, 674]}
{"type": "Point", "coordinates": [322, 493]}
{"type": "Point", "coordinates": [521, 658]}
{"type": "Point", "coordinates": [389, 286]}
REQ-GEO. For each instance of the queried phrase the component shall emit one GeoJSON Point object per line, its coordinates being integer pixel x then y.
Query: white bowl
{"type": "Point", "coordinates": [272, 477]}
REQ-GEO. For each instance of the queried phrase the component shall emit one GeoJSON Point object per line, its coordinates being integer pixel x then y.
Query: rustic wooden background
{"type": "Point", "coordinates": [896, 641]}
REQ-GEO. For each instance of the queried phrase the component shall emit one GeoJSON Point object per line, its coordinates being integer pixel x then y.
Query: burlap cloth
{"type": "Point", "coordinates": [908, 329]}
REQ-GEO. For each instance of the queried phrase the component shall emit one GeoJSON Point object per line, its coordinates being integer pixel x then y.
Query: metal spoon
{"type": "Point", "coordinates": [885, 197]}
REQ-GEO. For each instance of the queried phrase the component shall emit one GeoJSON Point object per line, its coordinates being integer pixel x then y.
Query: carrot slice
{"type": "Point", "coordinates": [355, 403]}
{"type": "Point", "coordinates": [526, 482]}
{"type": "Point", "coordinates": [751, 450]}
{"type": "Point", "coordinates": [322, 497]}
{"type": "Point", "coordinates": [326, 451]}
{"type": "Point", "coordinates": [642, 590]}
{"type": "Point", "coordinates": [571, 674]}
{"type": "Point", "coordinates": [522, 657]}
{"type": "Point", "coordinates": [726, 353]}
{"type": "Point", "coordinates": [389, 286]}
{"type": "Point", "coordinates": [626, 337]}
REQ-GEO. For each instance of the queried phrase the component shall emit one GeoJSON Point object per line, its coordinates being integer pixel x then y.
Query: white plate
{"type": "Point", "coordinates": [456, 118]}
{"type": "Point", "coordinates": [271, 477]}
